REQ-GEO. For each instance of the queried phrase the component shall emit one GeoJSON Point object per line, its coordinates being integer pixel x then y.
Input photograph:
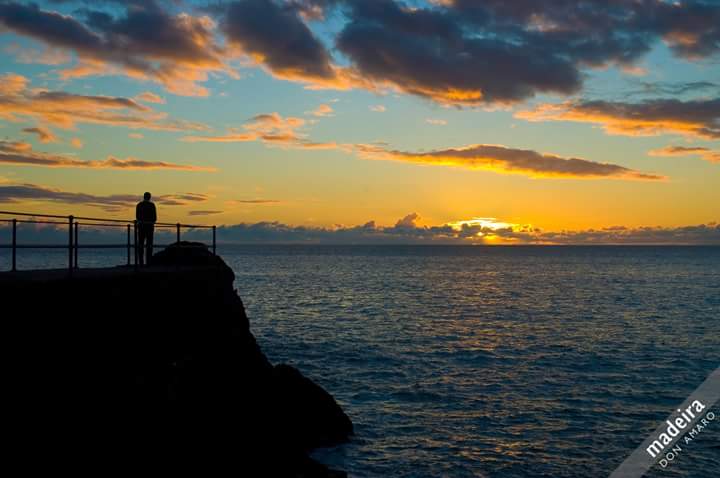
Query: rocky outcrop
{"type": "Point", "coordinates": [156, 369]}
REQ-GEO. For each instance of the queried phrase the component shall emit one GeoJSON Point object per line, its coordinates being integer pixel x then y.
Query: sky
{"type": "Point", "coordinates": [460, 121]}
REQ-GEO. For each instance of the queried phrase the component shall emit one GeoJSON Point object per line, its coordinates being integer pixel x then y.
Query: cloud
{"type": "Point", "coordinates": [322, 110]}
{"type": "Point", "coordinates": [408, 221]}
{"type": "Point", "coordinates": [21, 154]}
{"type": "Point", "coordinates": [44, 56]}
{"type": "Point", "coordinates": [479, 230]}
{"type": "Point", "coordinates": [276, 37]}
{"type": "Point", "coordinates": [436, 122]}
{"type": "Point", "coordinates": [145, 42]}
{"type": "Point", "coordinates": [675, 89]}
{"type": "Point", "coordinates": [77, 143]}
{"type": "Point", "coordinates": [25, 192]}
{"type": "Point", "coordinates": [136, 136]}
{"type": "Point", "coordinates": [473, 231]}
{"type": "Point", "coordinates": [377, 108]}
{"type": "Point", "coordinates": [466, 52]}
{"type": "Point", "coordinates": [234, 202]}
{"type": "Point", "coordinates": [203, 213]}
{"type": "Point", "coordinates": [705, 153]}
{"type": "Point", "coordinates": [509, 160]}
{"type": "Point", "coordinates": [45, 135]}
{"type": "Point", "coordinates": [150, 97]}
{"type": "Point", "coordinates": [14, 193]}
{"type": "Point", "coordinates": [138, 164]}
{"type": "Point", "coordinates": [181, 199]}
{"type": "Point", "coordinates": [269, 128]}
{"type": "Point", "coordinates": [12, 84]}
{"type": "Point", "coordinates": [455, 52]}
{"type": "Point", "coordinates": [276, 130]}
{"type": "Point", "coordinates": [703, 234]}
{"type": "Point", "coordinates": [694, 118]}
{"type": "Point", "coordinates": [66, 110]}
{"type": "Point", "coordinates": [233, 136]}
{"type": "Point", "coordinates": [426, 52]}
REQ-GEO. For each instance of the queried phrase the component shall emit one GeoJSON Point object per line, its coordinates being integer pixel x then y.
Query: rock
{"type": "Point", "coordinates": [311, 414]}
{"type": "Point", "coordinates": [186, 253]}
{"type": "Point", "coordinates": [157, 369]}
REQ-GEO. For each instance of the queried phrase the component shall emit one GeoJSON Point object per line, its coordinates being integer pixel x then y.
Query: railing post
{"type": "Point", "coordinates": [14, 245]}
{"type": "Point", "coordinates": [135, 243]}
{"type": "Point", "coordinates": [177, 226]}
{"type": "Point", "coordinates": [76, 244]}
{"type": "Point", "coordinates": [70, 243]}
{"type": "Point", "coordinates": [128, 243]}
{"type": "Point", "coordinates": [214, 243]}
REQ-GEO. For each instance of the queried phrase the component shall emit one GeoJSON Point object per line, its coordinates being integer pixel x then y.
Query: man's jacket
{"type": "Point", "coordinates": [145, 212]}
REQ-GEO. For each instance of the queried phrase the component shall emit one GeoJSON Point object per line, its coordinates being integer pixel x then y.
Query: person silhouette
{"type": "Point", "coordinates": [146, 215]}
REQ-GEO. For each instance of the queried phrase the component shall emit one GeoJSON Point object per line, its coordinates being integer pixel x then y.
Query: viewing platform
{"type": "Point", "coordinates": [73, 226]}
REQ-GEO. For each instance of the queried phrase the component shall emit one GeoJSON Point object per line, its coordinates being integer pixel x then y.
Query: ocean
{"type": "Point", "coordinates": [486, 361]}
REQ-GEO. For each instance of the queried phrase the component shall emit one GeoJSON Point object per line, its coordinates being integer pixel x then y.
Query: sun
{"type": "Point", "coordinates": [482, 223]}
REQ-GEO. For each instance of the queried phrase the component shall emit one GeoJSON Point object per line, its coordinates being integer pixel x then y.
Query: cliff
{"type": "Point", "coordinates": [154, 369]}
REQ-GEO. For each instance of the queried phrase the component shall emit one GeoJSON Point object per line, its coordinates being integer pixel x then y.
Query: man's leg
{"type": "Point", "coordinates": [141, 244]}
{"type": "Point", "coordinates": [149, 239]}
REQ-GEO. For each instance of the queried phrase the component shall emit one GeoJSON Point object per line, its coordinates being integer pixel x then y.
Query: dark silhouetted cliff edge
{"type": "Point", "coordinates": [154, 370]}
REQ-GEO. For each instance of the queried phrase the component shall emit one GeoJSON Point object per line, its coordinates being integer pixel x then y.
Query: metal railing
{"type": "Point", "coordinates": [73, 224]}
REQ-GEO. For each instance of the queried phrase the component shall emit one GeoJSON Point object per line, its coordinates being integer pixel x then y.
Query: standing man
{"type": "Point", "coordinates": [146, 215]}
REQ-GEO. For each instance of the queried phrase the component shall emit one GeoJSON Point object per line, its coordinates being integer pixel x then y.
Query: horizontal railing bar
{"type": "Point", "coordinates": [160, 224]}
{"type": "Point", "coordinates": [99, 224]}
{"type": "Point", "coordinates": [92, 224]}
{"type": "Point", "coordinates": [84, 218]}
{"type": "Point", "coordinates": [9, 213]}
{"type": "Point", "coordinates": [59, 246]}
{"type": "Point", "coordinates": [186, 226]}
{"type": "Point", "coordinates": [88, 246]}
{"type": "Point", "coordinates": [25, 221]}
{"type": "Point", "coordinates": [123, 221]}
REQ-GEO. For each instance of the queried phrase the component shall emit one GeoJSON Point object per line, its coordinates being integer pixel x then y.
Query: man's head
{"type": "Point", "coordinates": [147, 196]}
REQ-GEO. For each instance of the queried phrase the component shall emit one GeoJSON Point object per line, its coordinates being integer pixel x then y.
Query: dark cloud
{"type": "Point", "coordinates": [277, 37]}
{"type": "Point", "coordinates": [597, 31]}
{"type": "Point", "coordinates": [184, 198]}
{"type": "Point", "coordinates": [460, 52]}
{"type": "Point", "coordinates": [471, 52]}
{"type": "Point", "coordinates": [699, 118]}
{"type": "Point", "coordinates": [678, 88]}
{"type": "Point", "coordinates": [705, 153]}
{"type": "Point", "coordinates": [203, 213]}
{"type": "Point", "coordinates": [427, 52]}
{"type": "Point", "coordinates": [403, 233]}
{"type": "Point", "coordinates": [14, 193]}
{"type": "Point", "coordinates": [253, 201]}
{"type": "Point", "coordinates": [703, 234]}
{"type": "Point", "coordinates": [19, 193]}
{"type": "Point", "coordinates": [408, 231]}
{"type": "Point", "coordinates": [509, 160]}
{"type": "Point", "coordinates": [21, 154]}
{"type": "Point", "coordinates": [146, 42]}
{"type": "Point", "coordinates": [691, 28]}
{"type": "Point", "coordinates": [51, 27]}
